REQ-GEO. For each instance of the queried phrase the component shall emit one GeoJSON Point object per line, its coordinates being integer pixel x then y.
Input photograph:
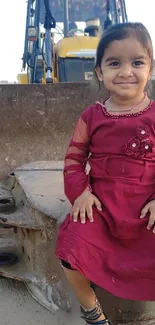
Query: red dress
{"type": "Point", "coordinates": [116, 252]}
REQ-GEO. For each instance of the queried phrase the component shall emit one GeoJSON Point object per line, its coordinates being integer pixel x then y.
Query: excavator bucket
{"type": "Point", "coordinates": [37, 121]}
{"type": "Point", "coordinates": [36, 125]}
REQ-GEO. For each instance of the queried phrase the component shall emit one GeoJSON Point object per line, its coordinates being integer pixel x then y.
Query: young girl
{"type": "Point", "coordinates": [109, 238]}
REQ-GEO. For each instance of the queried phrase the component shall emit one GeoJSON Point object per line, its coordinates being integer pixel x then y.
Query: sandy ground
{"type": "Point", "coordinates": [17, 307]}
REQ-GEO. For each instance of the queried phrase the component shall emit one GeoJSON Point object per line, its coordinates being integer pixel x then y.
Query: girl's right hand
{"type": "Point", "coordinates": [82, 207]}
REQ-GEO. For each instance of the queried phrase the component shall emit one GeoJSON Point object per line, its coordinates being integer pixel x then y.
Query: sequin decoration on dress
{"type": "Point", "coordinates": [141, 144]}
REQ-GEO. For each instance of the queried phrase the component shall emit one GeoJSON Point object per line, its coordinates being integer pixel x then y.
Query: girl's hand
{"type": "Point", "coordinates": [82, 207]}
{"type": "Point", "coordinates": [149, 208]}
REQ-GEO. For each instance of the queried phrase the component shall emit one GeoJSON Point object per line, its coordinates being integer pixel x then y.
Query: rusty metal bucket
{"type": "Point", "coordinates": [37, 121]}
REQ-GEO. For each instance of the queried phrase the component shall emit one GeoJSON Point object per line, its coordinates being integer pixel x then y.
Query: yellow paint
{"type": "Point", "coordinates": [76, 44]}
{"type": "Point", "coordinates": [22, 78]}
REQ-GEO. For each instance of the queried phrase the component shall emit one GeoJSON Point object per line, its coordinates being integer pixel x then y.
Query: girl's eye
{"type": "Point", "coordinates": [114, 64]}
{"type": "Point", "coordinates": [138, 63]}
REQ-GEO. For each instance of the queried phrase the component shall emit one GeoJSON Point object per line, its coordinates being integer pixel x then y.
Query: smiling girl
{"type": "Point", "coordinates": [109, 237]}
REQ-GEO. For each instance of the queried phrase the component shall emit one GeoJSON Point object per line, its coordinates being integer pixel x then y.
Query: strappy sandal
{"type": "Point", "coordinates": [100, 322]}
{"type": "Point", "coordinates": [91, 315]}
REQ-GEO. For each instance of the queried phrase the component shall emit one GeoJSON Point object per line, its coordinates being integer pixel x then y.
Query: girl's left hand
{"type": "Point", "coordinates": [149, 208]}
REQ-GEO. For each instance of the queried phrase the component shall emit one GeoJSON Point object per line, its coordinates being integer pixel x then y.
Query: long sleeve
{"type": "Point", "coordinates": [152, 197]}
{"type": "Point", "coordinates": [75, 178]}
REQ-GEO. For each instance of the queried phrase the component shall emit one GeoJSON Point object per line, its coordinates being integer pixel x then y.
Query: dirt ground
{"type": "Point", "coordinates": [17, 307]}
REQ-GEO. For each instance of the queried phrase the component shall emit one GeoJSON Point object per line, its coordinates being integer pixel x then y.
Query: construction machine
{"type": "Point", "coordinates": [71, 58]}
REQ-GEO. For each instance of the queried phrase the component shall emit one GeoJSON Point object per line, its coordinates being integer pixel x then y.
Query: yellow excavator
{"type": "Point", "coordinates": [71, 59]}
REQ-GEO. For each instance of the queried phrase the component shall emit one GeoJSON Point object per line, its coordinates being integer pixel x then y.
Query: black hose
{"type": "Point", "coordinates": [108, 21]}
{"type": "Point", "coordinates": [124, 11]}
{"type": "Point", "coordinates": [49, 19]}
{"type": "Point", "coordinates": [108, 7]}
{"type": "Point", "coordinates": [115, 12]}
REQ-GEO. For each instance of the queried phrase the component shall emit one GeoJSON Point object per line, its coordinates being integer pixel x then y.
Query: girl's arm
{"type": "Point", "coordinates": [75, 178]}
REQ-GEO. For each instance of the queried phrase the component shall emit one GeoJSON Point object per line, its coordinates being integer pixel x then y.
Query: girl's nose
{"type": "Point", "coordinates": [126, 71]}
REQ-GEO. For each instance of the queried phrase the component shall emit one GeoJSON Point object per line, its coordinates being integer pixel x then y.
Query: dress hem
{"type": "Point", "coordinates": [113, 289]}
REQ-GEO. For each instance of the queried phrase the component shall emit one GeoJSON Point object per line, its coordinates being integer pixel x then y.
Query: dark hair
{"type": "Point", "coordinates": [120, 32]}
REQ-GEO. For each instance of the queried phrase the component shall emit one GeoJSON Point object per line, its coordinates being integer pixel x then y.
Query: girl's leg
{"type": "Point", "coordinates": [83, 291]}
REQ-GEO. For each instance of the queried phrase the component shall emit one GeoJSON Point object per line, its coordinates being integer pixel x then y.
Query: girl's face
{"type": "Point", "coordinates": [125, 68]}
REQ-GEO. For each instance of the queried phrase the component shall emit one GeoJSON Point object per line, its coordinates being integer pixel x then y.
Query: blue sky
{"type": "Point", "coordinates": [12, 26]}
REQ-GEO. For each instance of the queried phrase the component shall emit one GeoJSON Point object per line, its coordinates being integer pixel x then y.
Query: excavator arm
{"type": "Point", "coordinates": [39, 47]}
{"type": "Point", "coordinates": [37, 63]}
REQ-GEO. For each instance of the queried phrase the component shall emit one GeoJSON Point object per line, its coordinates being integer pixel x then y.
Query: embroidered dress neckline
{"type": "Point", "coordinates": [125, 115]}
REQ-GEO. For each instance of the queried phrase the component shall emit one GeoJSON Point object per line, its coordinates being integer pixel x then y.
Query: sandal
{"type": "Point", "coordinates": [91, 315]}
{"type": "Point", "coordinates": [100, 322]}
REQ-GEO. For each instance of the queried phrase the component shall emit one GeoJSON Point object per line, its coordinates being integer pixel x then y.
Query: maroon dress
{"type": "Point", "coordinates": [116, 251]}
